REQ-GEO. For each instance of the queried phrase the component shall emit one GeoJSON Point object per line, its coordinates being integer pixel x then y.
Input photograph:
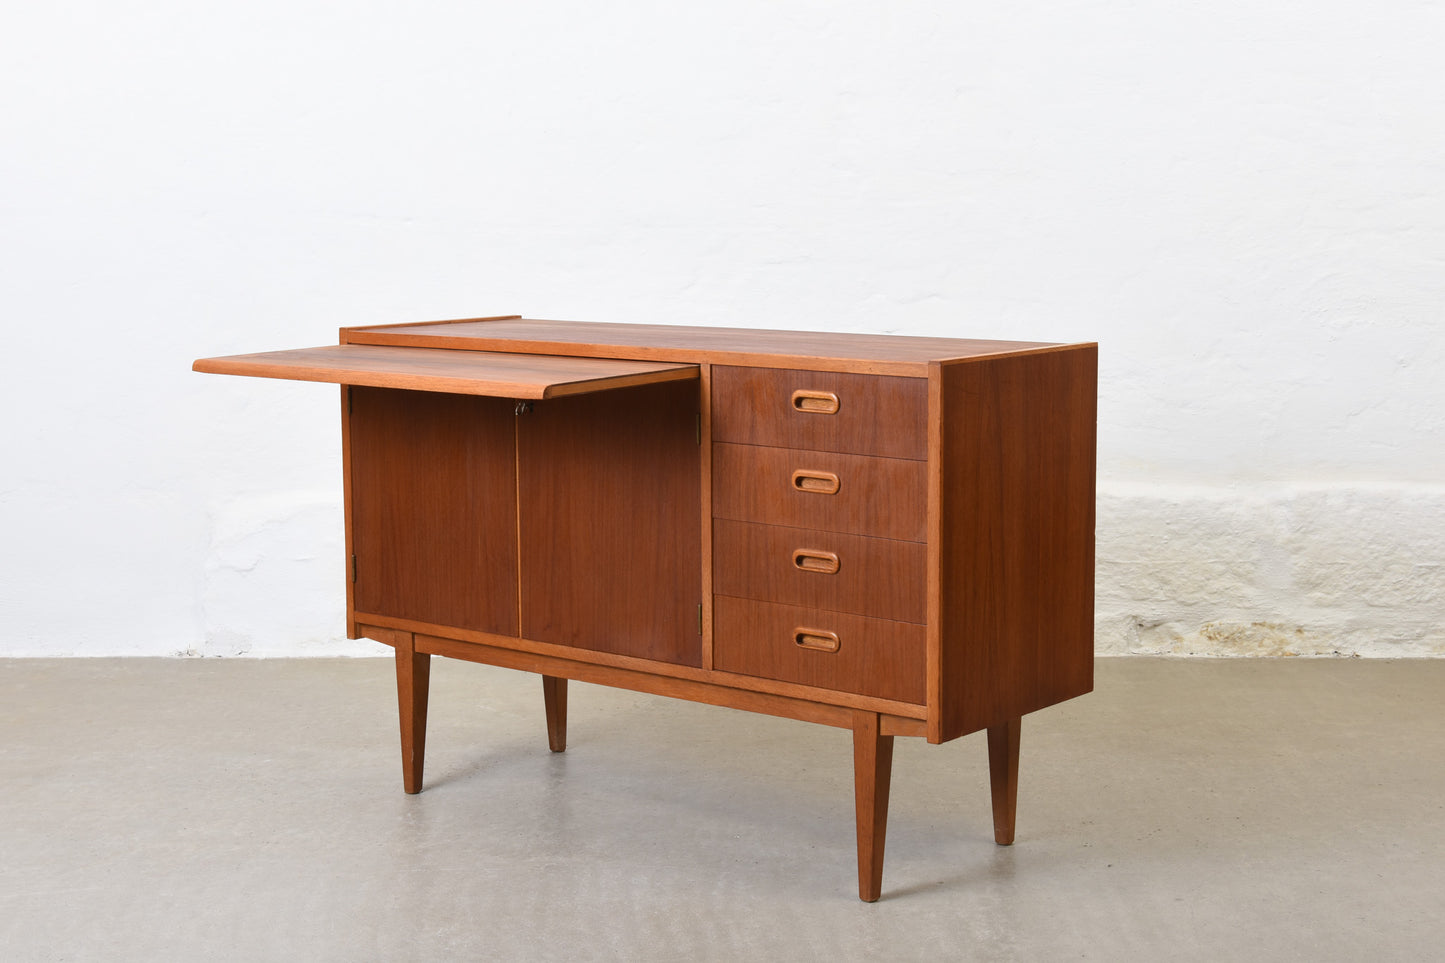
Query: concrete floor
{"type": "Point", "coordinates": [252, 810]}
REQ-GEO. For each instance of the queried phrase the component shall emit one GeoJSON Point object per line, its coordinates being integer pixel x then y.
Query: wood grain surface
{"type": "Point", "coordinates": [830, 351]}
{"type": "Point", "coordinates": [694, 690]}
{"type": "Point", "coordinates": [1016, 537]}
{"type": "Point", "coordinates": [885, 497]}
{"type": "Point", "coordinates": [611, 525]}
{"type": "Point", "coordinates": [874, 657]}
{"type": "Point", "coordinates": [877, 577]}
{"type": "Point", "coordinates": [875, 415]}
{"type": "Point", "coordinates": [554, 702]}
{"type": "Point", "coordinates": [413, 680]}
{"type": "Point", "coordinates": [1003, 778]}
{"type": "Point", "coordinates": [383, 627]}
{"type": "Point", "coordinates": [497, 374]}
{"type": "Point", "coordinates": [433, 510]}
{"type": "Point", "coordinates": [872, 776]}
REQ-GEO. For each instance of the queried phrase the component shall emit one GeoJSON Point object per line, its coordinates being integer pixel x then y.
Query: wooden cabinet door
{"type": "Point", "coordinates": [434, 507]}
{"type": "Point", "coordinates": [610, 516]}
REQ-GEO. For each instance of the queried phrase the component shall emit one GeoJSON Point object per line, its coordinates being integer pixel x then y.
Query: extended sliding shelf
{"type": "Point", "coordinates": [489, 373]}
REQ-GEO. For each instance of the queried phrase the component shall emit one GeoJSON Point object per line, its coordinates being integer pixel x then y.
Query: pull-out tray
{"type": "Point", "coordinates": [492, 373]}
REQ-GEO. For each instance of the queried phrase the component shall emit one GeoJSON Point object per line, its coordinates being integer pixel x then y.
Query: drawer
{"type": "Point", "coordinates": [883, 497]}
{"type": "Point", "coordinates": [879, 577]}
{"type": "Point", "coordinates": [831, 650]}
{"type": "Point", "coordinates": [823, 410]}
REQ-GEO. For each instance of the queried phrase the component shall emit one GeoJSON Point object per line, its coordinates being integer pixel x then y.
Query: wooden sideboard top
{"type": "Point", "coordinates": [870, 353]}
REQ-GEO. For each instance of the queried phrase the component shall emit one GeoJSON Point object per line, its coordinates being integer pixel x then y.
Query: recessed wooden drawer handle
{"type": "Point", "coordinates": [815, 402]}
{"type": "Point", "coordinates": [822, 482]}
{"type": "Point", "coordinates": [816, 639]}
{"type": "Point", "coordinates": [810, 560]}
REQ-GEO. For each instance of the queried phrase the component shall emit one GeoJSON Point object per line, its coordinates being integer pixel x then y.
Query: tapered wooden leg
{"type": "Point", "coordinates": [413, 675]}
{"type": "Point", "coordinates": [872, 771]}
{"type": "Point", "coordinates": [1003, 777]}
{"type": "Point", "coordinates": [554, 693]}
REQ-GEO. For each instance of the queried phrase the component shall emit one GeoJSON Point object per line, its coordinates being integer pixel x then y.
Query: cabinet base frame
{"type": "Point", "coordinates": [873, 732]}
{"type": "Point", "coordinates": [386, 629]}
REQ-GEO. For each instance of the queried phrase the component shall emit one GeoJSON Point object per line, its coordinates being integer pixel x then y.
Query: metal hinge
{"type": "Point", "coordinates": [699, 618]}
{"type": "Point", "coordinates": [523, 407]}
{"type": "Point", "coordinates": [699, 427]}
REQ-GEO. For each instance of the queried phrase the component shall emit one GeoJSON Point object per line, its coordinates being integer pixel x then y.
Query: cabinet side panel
{"type": "Point", "coordinates": [1017, 536]}
{"type": "Point", "coordinates": [611, 522]}
{"type": "Point", "coordinates": [433, 514]}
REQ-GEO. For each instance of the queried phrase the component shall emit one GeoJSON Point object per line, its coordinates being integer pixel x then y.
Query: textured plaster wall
{"type": "Point", "coordinates": [1272, 570]}
{"type": "Point", "coordinates": [1239, 200]}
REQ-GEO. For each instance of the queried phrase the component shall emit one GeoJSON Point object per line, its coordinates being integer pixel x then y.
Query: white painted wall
{"type": "Point", "coordinates": [1241, 201]}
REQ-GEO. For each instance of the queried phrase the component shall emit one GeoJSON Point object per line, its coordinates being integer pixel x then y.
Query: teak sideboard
{"type": "Point", "coordinates": [892, 535]}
